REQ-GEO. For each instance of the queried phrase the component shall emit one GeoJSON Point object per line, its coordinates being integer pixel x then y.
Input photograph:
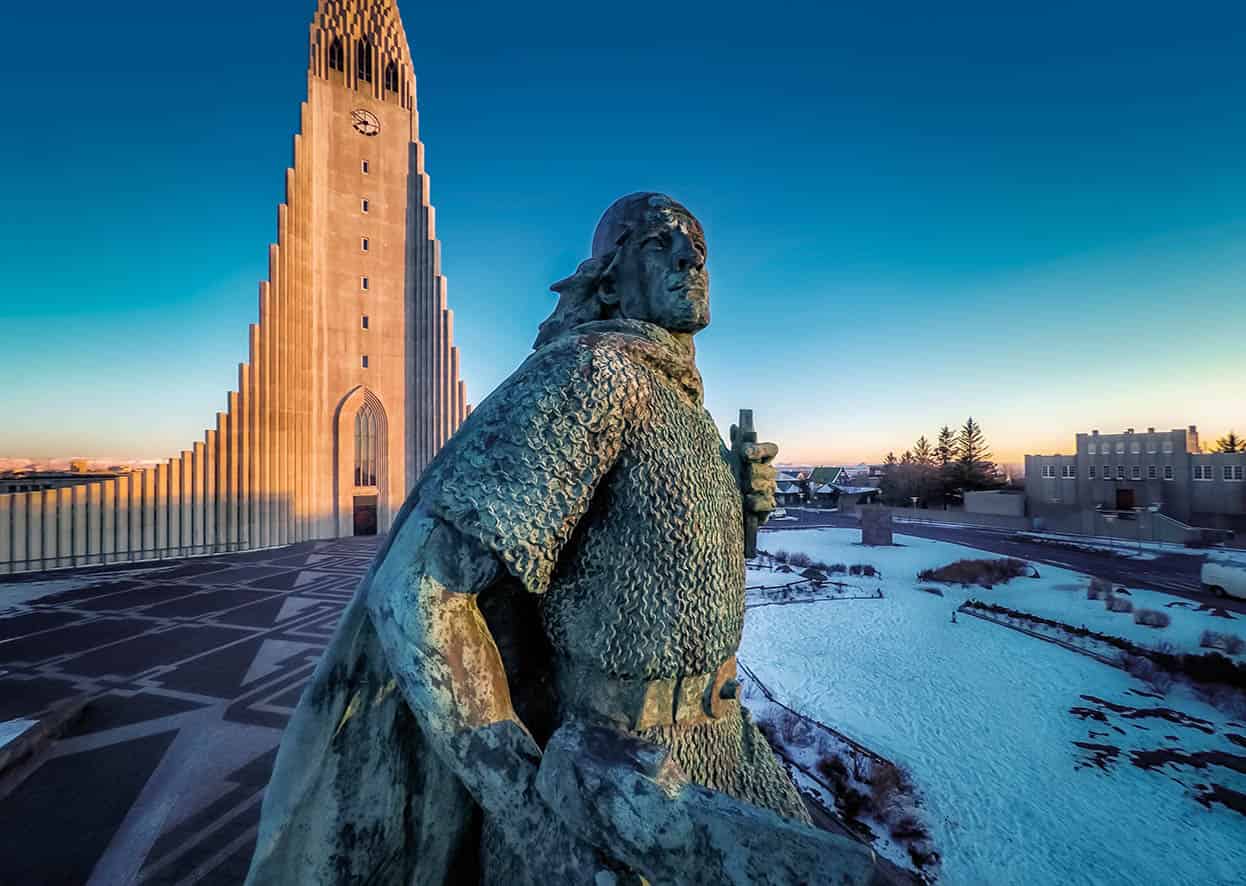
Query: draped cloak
{"type": "Point", "coordinates": [596, 477]}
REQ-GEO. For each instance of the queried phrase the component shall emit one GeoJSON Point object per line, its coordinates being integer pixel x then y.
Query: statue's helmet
{"type": "Point", "coordinates": [631, 212]}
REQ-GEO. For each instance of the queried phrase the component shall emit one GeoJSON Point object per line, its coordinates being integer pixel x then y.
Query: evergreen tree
{"type": "Point", "coordinates": [974, 468]}
{"type": "Point", "coordinates": [945, 449]}
{"type": "Point", "coordinates": [1231, 443]}
{"type": "Point", "coordinates": [923, 454]}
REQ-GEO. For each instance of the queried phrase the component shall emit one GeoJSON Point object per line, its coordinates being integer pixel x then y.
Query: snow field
{"type": "Point", "coordinates": [980, 715]}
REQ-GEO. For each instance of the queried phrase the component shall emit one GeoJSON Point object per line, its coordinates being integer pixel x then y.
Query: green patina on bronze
{"type": "Point", "coordinates": [559, 605]}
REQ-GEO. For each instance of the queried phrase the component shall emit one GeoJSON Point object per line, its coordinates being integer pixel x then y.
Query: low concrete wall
{"type": "Point", "coordinates": [1004, 504]}
{"type": "Point", "coordinates": [994, 521]}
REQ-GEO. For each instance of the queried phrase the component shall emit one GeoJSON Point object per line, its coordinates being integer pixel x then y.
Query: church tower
{"type": "Point", "coordinates": [352, 382]}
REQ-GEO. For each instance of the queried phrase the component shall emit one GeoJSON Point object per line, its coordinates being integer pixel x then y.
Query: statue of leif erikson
{"type": "Point", "coordinates": [535, 683]}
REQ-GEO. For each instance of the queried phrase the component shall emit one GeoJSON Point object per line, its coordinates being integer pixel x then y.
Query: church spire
{"type": "Point", "coordinates": [362, 44]}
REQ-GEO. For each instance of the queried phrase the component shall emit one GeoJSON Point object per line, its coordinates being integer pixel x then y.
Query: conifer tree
{"type": "Point", "coordinates": [974, 468]}
{"type": "Point", "coordinates": [1230, 442]}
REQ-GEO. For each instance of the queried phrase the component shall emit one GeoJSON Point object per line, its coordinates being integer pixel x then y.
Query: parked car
{"type": "Point", "coordinates": [1224, 578]}
{"type": "Point", "coordinates": [778, 513]}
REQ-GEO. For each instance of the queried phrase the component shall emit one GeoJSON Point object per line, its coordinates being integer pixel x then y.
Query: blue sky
{"type": "Point", "coordinates": [915, 212]}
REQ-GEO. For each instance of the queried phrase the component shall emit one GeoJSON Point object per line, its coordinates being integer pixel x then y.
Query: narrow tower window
{"type": "Point", "coordinates": [364, 361]}
{"type": "Point", "coordinates": [364, 321]}
{"type": "Point", "coordinates": [364, 168]}
{"type": "Point", "coordinates": [337, 59]}
{"type": "Point", "coordinates": [391, 77]}
{"type": "Point", "coordinates": [365, 446]}
{"type": "Point", "coordinates": [363, 204]}
{"type": "Point", "coordinates": [364, 57]}
{"type": "Point", "coordinates": [363, 243]}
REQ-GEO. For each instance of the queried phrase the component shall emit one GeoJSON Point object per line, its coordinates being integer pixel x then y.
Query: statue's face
{"type": "Point", "coordinates": [660, 275]}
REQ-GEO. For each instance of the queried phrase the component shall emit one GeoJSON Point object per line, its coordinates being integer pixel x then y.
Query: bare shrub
{"type": "Point", "coordinates": [1233, 644]}
{"type": "Point", "coordinates": [1099, 589]}
{"type": "Point", "coordinates": [781, 555]}
{"type": "Point", "coordinates": [792, 728]}
{"type": "Point", "coordinates": [1161, 681]}
{"type": "Point", "coordinates": [1152, 618]}
{"type": "Point", "coordinates": [1211, 640]}
{"type": "Point", "coordinates": [800, 560]}
{"type": "Point", "coordinates": [833, 769]}
{"type": "Point", "coordinates": [837, 569]}
{"type": "Point", "coordinates": [1118, 604]}
{"type": "Point", "coordinates": [887, 782]}
{"type": "Point", "coordinates": [986, 573]}
{"type": "Point", "coordinates": [908, 826]}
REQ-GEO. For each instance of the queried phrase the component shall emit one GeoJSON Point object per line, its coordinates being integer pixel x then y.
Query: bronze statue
{"type": "Point", "coordinates": [535, 683]}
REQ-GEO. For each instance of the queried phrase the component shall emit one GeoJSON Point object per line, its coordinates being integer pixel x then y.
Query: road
{"type": "Point", "coordinates": [1176, 574]}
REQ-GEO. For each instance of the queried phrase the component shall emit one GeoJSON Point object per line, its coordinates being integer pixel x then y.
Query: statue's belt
{"type": "Point", "coordinates": [637, 704]}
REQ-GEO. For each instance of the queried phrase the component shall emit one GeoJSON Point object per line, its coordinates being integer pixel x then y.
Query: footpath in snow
{"type": "Point", "coordinates": [1036, 765]}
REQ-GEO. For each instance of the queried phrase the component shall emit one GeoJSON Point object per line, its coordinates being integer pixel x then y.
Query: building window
{"type": "Point", "coordinates": [1091, 449]}
{"type": "Point", "coordinates": [364, 59]}
{"type": "Point", "coordinates": [363, 321]}
{"type": "Point", "coordinates": [391, 77]}
{"type": "Point", "coordinates": [1167, 472]}
{"type": "Point", "coordinates": [364, 244]}
{"type": "Point", "coordinates": [1203, 472]}
{"type": "Point", "coordinates": [1232, 472]}
{"type": "Point", "coordinates": [366, 439]}
{"type": "Point", "coordinates": [1107, 472]}
{"type": "Point", "coordinates": [1090, 472]}
{"type": "Point", "coordinates": [364, 167]}
{"type": "Point", "coordinates": [1135, 447]}
{"type": "Point", "coordinates": [1120, 448]}
{"type": "Point", "coordinates": [1120, 472]}
{"type": "Point", "coordinates": [1167, 447]}
{"type": "Point", "coordinates": [363, 361]}
{"type": "Point", "coordinates": [1150, 446]}
{"type": "Point", "coordinates": [1152, 473]}
{"type": "Point", "coordinates": [337, 61]}
{"type": "Point", "coordinates": [363, 283]}
{"type": "Point", "coordinates": [1135, 473]}
{"type": "Point", "coordinates": [1069, 472]}
{"type": "Point", "coordinates": [364, 205]}
{"type": "Point", "coordinates": [1048, 471]}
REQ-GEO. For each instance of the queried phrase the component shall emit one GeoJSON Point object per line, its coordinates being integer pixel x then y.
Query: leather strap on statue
{"type": "Point", "coordinates": [638, 704]}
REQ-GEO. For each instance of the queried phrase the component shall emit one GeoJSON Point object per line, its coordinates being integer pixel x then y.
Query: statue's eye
{"type": "Point", "coordinates": [661, 241]}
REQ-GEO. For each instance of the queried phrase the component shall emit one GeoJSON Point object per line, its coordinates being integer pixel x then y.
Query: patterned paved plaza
{"type": "Point", "coordinates": [193, 668]}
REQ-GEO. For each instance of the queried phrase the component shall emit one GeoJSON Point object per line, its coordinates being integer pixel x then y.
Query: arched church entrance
{"type": "Point", "coordinates": [362, 475]}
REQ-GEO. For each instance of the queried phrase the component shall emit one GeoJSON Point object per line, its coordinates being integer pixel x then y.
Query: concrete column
{"type": "Point", "coordinates": [108, 521]}
{"type": "Point", "coordinates": [185, 465]}
{"type": "Point", "coordinates": [135, 515]}
{"type": "Point", "coordinates": [266, 428]}
{"type": "Point", "coordinates": [244, 456]}
{"type": "Point", "coordinates": [6, 534]}
{"type": "Point", "coordinates": [198, 499]}
{"type": "Point", "coordinates": [52, 550]}
{"type": "Point", "coordinates": [162, 511]}
{"type": "Point", "coordinates": [34, 530]}
{"type": "Point", "coordinates": [149, 512]}
{"type": "Point", "coordinates": [64, 521]}
{"type": "Point", "coordinates": [174, 509]}
{"type": "Point", "coordinates": [223, 492]}
{"type": "Point", "coordinates": [121, 502]}
{"type": "Point", "coordinates": [21, 541]}
{"type": "Point", "coordinates": [211, 538]}
{"type": "Point", "coordinates": [95, 522]}
{"type": "Point", "coordinates": [77, 504]}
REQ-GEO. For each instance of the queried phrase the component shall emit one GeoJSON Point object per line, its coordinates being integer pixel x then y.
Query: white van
{"type": "Point", "coordinates": [1224, 578]}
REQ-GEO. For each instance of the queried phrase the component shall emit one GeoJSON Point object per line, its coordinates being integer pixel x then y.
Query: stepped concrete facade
{"type": "Point", "coordinates": [352, 382]}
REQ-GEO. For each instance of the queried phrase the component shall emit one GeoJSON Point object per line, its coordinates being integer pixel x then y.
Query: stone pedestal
{"type": "Point", "coordinates": [876, 526]}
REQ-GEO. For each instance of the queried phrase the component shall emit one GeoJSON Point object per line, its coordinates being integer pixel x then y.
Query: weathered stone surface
{"type": "Point", "coordinates": [876, 526]}
{"type": "Point", "coordinates": [544, 650]}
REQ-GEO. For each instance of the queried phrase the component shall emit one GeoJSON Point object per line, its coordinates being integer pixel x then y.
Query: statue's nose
{"type": "Point", "coordinates": [687, 258]}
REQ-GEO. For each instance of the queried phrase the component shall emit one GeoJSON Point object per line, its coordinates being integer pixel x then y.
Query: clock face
{"type": "Point", "coordinates": [365, 122]}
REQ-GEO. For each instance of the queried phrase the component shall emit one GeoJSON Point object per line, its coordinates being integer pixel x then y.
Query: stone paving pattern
{"type": "Point", "coordinates": [193, 667]}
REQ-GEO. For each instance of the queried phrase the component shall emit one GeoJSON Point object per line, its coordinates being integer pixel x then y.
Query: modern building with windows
{"type": "Point", "coordinates": [1162, 470]}
{"type": "Point", "coordinates": [352, 382]}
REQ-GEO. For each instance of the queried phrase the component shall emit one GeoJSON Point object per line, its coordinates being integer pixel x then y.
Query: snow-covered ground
{"type": "Point", "coordinates": [983, 716]}
{"type": "Point", "coordinates": [1137, 550]}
